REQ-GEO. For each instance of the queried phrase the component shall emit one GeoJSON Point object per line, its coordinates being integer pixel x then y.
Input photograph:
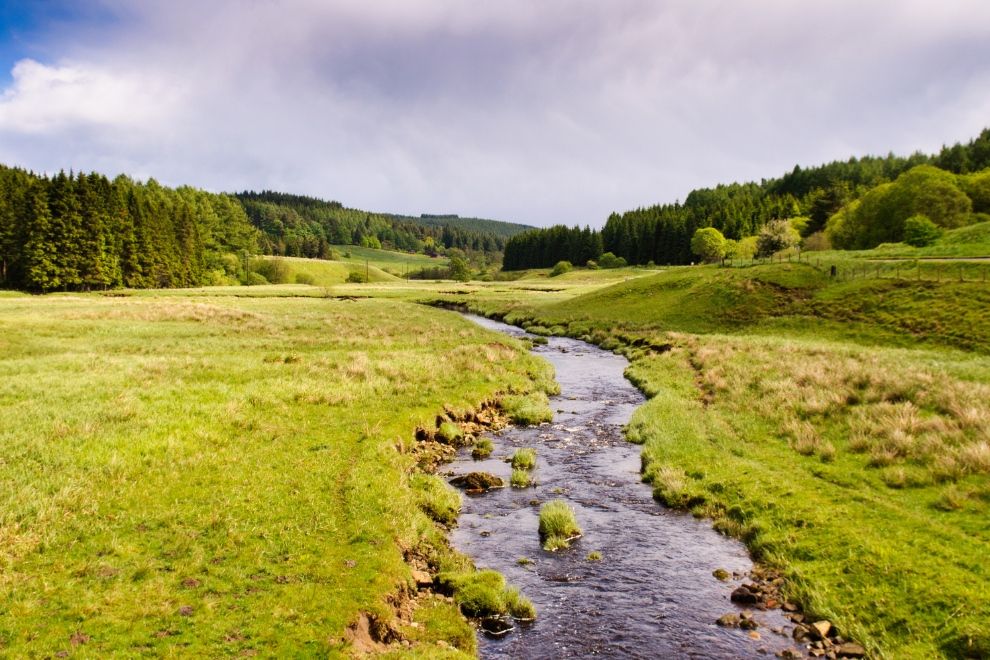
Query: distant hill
{"type": "Point", "coordinates": [500, 228]}
{"type": "Point", "coordinates": [301, 226]}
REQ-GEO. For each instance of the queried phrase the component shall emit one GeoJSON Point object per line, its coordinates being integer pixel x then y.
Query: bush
{"type": "Point", "coordinates": [775, 236]}
{"type": "Point", "coordinates": [919, 231]}
{"type": "Point", "coordinates": [524, 459]}
{"type": "Point", "coordinates": [592, 265]}
{"type": "Point", "coordinates": [817, 242]}
{"type": "Point", "coordinates": [708, 244]}
{"type": "Point", "coordinates": [609, 260]}
{"type": "Point", "coordinates": [304, 278]}
{"type": "Point", "coordinates": [354, 277]}
{"type": "Point", "coordinates": [274, 270]}
{"type": "Point", "coordinates": [558, 525]}
{"type": "Point", "coordinates": [254, 279]}
{"type": "Point", "coordinates": [560, 268]}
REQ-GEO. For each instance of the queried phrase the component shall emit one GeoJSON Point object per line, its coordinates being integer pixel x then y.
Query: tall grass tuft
{"type": "Point", "coordinates": [558, 525]}
{"type": "Point", "coordinates": [524, 459]}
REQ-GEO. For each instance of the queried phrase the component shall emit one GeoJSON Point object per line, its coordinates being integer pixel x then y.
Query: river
{"type": "Point", "coordinates": [653, 593]}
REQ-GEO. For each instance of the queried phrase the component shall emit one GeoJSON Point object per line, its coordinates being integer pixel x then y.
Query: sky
{"type": "Point", "coordinates": [532, 111]}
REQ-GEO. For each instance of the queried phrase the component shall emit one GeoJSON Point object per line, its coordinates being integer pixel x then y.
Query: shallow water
{"type": "Point", "coordinates": [653, 594]}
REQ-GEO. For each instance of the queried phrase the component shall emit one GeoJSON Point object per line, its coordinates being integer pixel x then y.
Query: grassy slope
{"type": "Point", "coordinates": [839, 428]}
{"type": "Point", "coordinates": [394, 262]}
{"type": "Point", "coordinates": [217, 475]}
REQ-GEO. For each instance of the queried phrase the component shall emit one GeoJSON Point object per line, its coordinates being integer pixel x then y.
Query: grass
{"type": "Point", "coordinates": [201, 474]}
{"type": "Point", "coordinates": [520, 478]}
{"type": "Point", "coordinates": [484, 594]}
{"type": "Point", "coordinates": [558, 525]}
{"type": "Point", "coordinates": [324, 273]}
{"type": "Point", "coordinates": [524, 459]}
{"type": "Point", "coordinates": [389, 261]}
{"type": "Point", "coordinates": [483, 448]}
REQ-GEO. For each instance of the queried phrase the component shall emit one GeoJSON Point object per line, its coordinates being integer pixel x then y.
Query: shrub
{"type": "Point", "coordinates": [558, 525]}
{"type": "Point", "coordinates": [354, 277]}
{"type": "Point", "coordinates": [560, 268]}
{"type": "Point", "coordinates": [254, 279]}
{"type": "Point", "coordinates": [592, 265]}
{"type": "Point", "coordinates": [775, 236]}
{"type": "Point", "coordinates": [524, 459]}
{"type": "Point", "coordinates": [817, 242]}
{"type": "Point", "coordinates": [482, 449]}
{"type": "Point", "coordinates": [919, 231]}
{"type": "Point", "coordinates": [708, 244]}
{"type": "Point", "coordinates": [609, 260]}
{"type": "Point", "coordinates": [304, 278]}
{"type": "Point", "coordinates": [273, 269]}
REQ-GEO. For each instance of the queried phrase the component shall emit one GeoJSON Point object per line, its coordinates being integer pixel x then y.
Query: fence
{"type": "Point", "coordinates": [930, 270]}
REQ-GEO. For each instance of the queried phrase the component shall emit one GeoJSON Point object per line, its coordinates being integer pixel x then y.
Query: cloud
{"type": "Point", "coordinates": [557, 111]}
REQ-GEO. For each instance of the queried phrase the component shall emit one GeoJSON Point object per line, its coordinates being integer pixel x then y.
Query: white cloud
{"type": "Point", "coordinates": [44, 99]}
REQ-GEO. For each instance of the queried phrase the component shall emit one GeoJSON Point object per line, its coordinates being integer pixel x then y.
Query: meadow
{"type": "Point", "coordinates": [202, 474]}
{"type": "Point", "coordinates": [182, 460]}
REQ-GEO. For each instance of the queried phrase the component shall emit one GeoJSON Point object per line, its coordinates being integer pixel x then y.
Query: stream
{"type": "Point", "coordinates": [652, 594]}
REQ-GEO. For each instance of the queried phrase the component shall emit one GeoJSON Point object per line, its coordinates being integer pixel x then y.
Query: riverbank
{"type": "Point", "coordinates": [201, 474]}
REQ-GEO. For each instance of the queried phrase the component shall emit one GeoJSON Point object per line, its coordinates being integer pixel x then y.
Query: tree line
{"type": "Point", "coordinates": [79, 232]}
{"type": "Point", "coordinates": [662, 233]}
{"type": "Point", "coordinates": [301, 226]}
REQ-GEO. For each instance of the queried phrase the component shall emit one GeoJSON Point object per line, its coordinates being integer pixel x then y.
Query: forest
{"type": "Point", "coordinates": [852, 204]}
{"type": "Point", "coordinates": [300, 226]}
{"type": "Point", "coordinates": [81, 232]}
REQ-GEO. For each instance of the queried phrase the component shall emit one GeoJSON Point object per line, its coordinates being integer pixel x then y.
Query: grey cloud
{"type": "Point", "coordinates": [537, 112]}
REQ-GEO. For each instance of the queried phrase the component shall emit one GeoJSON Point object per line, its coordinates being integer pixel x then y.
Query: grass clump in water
{"type": "Point", "coordinates": [524, 459]}
{"type": "Point", "coordinates": [530, 409]}
{"type": "Point", "coordinates": [520, 479]}
{"type": "Point", "coordinates": [518, 605]}
{"type": "Point", "coordinates": [558, 525]}
{"type": "Point", "coordinates": [484, 594]}
{"type": "Point", "coordinates": [594, 556]}
{"type": "Point", "coordinates": [482, 449]}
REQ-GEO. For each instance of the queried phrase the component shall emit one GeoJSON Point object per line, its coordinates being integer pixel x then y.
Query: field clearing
{"type": "Point", "coordinates": [214, 475]}
{"type": "Point", "coordinates": [397, 263]}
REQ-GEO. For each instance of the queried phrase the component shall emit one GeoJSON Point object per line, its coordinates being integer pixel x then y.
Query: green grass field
{"type": "Point", "coordinates": [217, 475]}
{"type": "Point", "coordinates": [178, 461]}
{"type": "Point", "coordinates": [396, 263]}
